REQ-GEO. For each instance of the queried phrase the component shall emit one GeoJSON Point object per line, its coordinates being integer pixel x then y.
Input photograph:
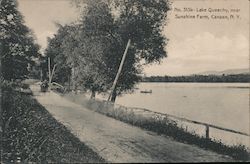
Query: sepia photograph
{"type": "Point", "coordinates": [124, 81]}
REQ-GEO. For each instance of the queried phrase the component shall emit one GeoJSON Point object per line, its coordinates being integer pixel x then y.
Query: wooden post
{"type": "Point", "coordinates": [41, 74]}
{"type": "Point", "coordinates": [49, 73]}
{"type": "Point", "coordinates": [53, 71]}
{"type": "Point", "coordinates": [73, 78]}
{"type": "Point", "coordinates": [69, 77]}
{"type": "Point", "coordinates": [119, 70]}
{"type": "Point", "coordinates": [207, 132]}
{"type": "Point", "coordinates": [49, 69]}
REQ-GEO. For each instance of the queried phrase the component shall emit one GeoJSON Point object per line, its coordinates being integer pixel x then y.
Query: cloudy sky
{"type": "Point", "coordinates": [194, 45]}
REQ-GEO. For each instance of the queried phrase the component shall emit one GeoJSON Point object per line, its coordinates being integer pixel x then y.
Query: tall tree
{"type": "Point", "coordinates": [101, 38]}
{"type": "Point", "coordinates": [141, 22]}
{"type": "Point", "coordinates": [57, 56]}
{"type": "Point", "coordinates": [17, 44]}
{"type": "Point", "coordinates": [91, 43]}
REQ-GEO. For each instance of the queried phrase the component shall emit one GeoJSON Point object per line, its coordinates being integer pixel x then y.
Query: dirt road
{"type": "Point", "coordinates": [116, 141]}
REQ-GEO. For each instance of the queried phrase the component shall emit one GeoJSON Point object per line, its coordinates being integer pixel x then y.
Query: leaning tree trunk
{"type": "Point", "coordinates": [73, 78]}
{"type": "Point", "coordinates": [113, 94]}
{"type": "Point", "coordinates": [69, 81]}
{"type": "Point", "coordinates": [113, 97]}
{"type": "Point", "coordinates": [92, 94]}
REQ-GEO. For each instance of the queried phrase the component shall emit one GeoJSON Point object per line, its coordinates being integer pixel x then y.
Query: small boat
{"type": "Point", "coordinates": [146, 91]}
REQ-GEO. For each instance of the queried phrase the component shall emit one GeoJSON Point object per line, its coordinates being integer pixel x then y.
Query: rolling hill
{"type": "Point", "coordinates": [226, 72]}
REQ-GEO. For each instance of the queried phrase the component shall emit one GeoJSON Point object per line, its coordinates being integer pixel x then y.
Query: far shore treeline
{"type": "Point", "coordinates": [231, 78]}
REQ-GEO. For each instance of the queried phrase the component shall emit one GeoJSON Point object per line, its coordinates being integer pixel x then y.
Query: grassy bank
{"type": "Point", "coordinates": [160, 125]}
{"type": "Point", "coordinates": [30, 134]}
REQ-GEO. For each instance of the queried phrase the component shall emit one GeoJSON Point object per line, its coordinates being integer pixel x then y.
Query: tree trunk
{"type": "Point", "coordinates": [113, 97]}
{"type": "Point", "coordinates": [41, 74]}
{"type": "Point", "coordinates": [69, 77]}
{"type": "Point", "coordinates": [92, 94]}
{"type": "Point", "coordinates": [73, 80]}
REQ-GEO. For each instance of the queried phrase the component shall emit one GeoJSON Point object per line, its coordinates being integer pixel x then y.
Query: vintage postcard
{"type": "Point", "coordinates": [124, 81]}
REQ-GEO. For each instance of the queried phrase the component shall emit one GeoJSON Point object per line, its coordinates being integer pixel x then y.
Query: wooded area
{"type": "Point", "coordinates": [18, 49]}
{"type": "Point", "coordinates": [88, 53]}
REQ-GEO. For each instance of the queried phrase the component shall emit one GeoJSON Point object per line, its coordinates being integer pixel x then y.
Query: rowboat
{"type": "Point", "coordinates": [146, 91]}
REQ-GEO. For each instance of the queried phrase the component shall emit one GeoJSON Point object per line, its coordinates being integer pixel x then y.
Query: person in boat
{"type": "Point", "coordinates": [146, 91]}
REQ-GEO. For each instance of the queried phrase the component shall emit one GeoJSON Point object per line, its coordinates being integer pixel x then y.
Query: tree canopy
{"type": "Point", "coordinates": [17, 43]}
{"type": "Point", "coordinates": [55, 51]}
{"type": "Point", "coordinates": [94, 46]}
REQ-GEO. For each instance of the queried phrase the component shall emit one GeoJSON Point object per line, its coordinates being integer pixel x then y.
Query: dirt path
{"type": "Point", "coordinates": [116, 141]}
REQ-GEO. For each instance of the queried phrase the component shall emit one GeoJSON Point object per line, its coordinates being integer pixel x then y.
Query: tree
{"type": "Point", "coordinates": [57, 56]}
{"type": "Point", "coordinates": [96, 45]}
{"type": "Point", "coordinates": [76, 53]}
{"type": "Point", "coordinates": [90, 44]}
{"type": "Point", "coordinates": [17, 44]}
{"type": "Point", "coordinates": [141, 22]}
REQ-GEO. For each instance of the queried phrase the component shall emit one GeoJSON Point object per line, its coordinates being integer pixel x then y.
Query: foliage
{"type": "Point", "coordinates": [83, 46]}
{"type": "Point", "coordinates": [94, 46]}
{"type": "Point", "coordinates": [142, 22]}
{"type": "Point", "coordinates": [57, 56]}
{"type": "Point", "coordinates": [17, 44]}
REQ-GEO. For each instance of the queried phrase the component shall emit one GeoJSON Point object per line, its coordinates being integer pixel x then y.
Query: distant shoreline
{"type": "Point", "coordinates": [230, 78]}
{"type": "Point", "coordinates": [186, 82]}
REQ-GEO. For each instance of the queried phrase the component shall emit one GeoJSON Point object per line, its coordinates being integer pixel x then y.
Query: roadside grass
{"type": "Point", "coordinates": [161, 125]}
{"type": "Point", "coordinates": [29, 133]}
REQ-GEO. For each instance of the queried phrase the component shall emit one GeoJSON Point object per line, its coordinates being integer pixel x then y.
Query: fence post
{"type": "Point", "coordinates": [207, 132]}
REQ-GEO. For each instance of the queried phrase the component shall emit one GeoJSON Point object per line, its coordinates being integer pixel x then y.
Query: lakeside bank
{"type": "Point", "coordinates": [117, 141]}
{"type": "Point", "coordinates": [160, 124]}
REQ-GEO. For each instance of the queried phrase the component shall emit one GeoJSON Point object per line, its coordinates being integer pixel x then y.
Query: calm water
{"type": "Point", "coordinates": [221, 104]}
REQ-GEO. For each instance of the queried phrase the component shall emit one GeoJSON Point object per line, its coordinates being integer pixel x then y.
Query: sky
{"type": "Point", "coordinates": [194, 46]}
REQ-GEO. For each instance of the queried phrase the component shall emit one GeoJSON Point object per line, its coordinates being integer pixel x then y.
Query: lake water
{"type": "Point", "coordinates": [221, 104]}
